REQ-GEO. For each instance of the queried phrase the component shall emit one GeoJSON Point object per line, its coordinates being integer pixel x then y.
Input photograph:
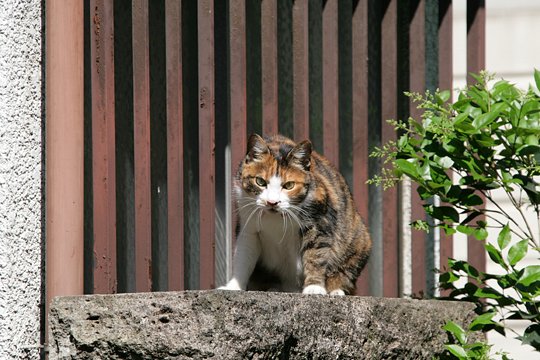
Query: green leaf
{"type": "Point", "coordinates": [473, 215]}
{"type": "Point", "coordinates": [445, 162]}
{"type": "Point", "coordinates": [478, 350]}
{"type": "Point", "coordinates": [531, 336]}
{"type": "Point", "coordinates": [444, 96]}
{"type": "Point", "coordinates": [518, 252]}
{"type": "Point", "coordinates": [500, 87]}
{"type": "Point", "coordinates": [532, 140]}
{"type": "Point", "coordinates": [530, 107]}
{"type": "Point", "coordinates": [457, 331]}
{"type": "Point", "coordinates": [478, 77]}
{"type": "Point", "coordinates": [504, 237]}
{"type": "Point", "coordinates": [466, 127]}
{"type": "Point", "coordinates": [467, 230]}
{"type": "Point", "coordinates": [495, 254]}
{"type": "Point", "coordinates": [460, 118]}
{"type": "Point", "coordinates": [481, 321]}
{"type": "Point", "coordinates": [537, 78]}
{"type": "Point", "coordinates": [506, 281]}
{"type": "Point", "coordinates": [457, 351]}
{"type": "Point", "coordinates": [487, 293]}
{"type": "Point", "coordinates": [424, 172]}
{"type": "Point", "coordinates": [460, 265]}
{"type": "Point", "coordinates": [531, 274]}
{"type": "Point", "coordinates": [528, 150]}
{"type": "Point", "coordinates": [445, 212]}
{"type": "Point", "coordinates": [473, 200]}
{"type": "Point", "coordinates": [448, 277]}
{"type": "Point", "coordinates": [407, 167]}
{"type": "Point", "coordinates": [481, 234]}
{"type": "Point", "coordinates": [485, 119]}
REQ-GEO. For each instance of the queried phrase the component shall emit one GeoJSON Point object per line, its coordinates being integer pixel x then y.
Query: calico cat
{"type": "Point", "coordinates": [297, 226]}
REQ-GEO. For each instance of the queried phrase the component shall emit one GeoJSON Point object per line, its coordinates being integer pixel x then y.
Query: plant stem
{"type": "Point", "coordinates": [531, 236]}
{"type": "Point", "coordinates": [505, 214]}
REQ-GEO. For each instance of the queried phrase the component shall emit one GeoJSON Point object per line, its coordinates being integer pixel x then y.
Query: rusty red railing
{"type": "Point", "coordinates": [173, 88]}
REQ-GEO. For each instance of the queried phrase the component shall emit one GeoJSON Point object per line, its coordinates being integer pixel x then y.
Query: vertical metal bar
{"type": "Point", "coordinates": [445, 83]}
{"type": "Point", "coordinates": [360, 120]}
{"type": "Point", "coordinates": [330, 81]}
{"type": "Point", "coordinates": [476, 45]}
{"type": "Point", "coordinates": [205, 16]}
{"type": "Point", "coordinates": [417, 83]}
{"type": "Point", "coordinates": [141, 110]}
{"type": "Point", "coordinates": [269, 66]}
{"type": "Point", "coordinates": [389, 111]}
{"type": "Point", "coordinates": [175, 145]}
{"type": "Point", "coordinates": [301, 69]}
{"type": "Point", "coordinates": [476, 37]}
{"type": "Point", "coordinates": [238, 81]}
{"type": "Point", "coordinates": [238, 98]}
{"type": "Point", "coordinates": [445, 45]}
{"type": "Point", "coordinates": [103, 146]}
{"type": "Point", "coordinates": [64, 147]}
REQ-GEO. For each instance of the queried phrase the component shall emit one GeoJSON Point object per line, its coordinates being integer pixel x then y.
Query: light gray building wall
{"type": "Point", "coordinates": [21, 211]}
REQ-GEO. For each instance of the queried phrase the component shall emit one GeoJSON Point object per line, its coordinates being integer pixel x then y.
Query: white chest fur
{"type": "Point", "coordinates": [280, 245]}
{"type": "Point", "coordinates": [272, 239]}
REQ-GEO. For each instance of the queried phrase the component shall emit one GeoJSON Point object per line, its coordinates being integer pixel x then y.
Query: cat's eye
{"type": "Point", "coordinates": [288, 185]}
{"type": "Point", "coordinates": [260, 181]}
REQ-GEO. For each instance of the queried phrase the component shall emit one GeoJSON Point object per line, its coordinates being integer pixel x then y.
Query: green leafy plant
{"type": "Point", "coordinates": [461, 348]}
{"type": "Point", "coordinates": [461, 154]}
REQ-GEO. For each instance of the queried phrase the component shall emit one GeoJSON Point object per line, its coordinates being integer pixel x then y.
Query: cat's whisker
{"type": "Point", "coordinates": [249, 219]}
{"type": "Point", "coordinates": [240, 208]}
{"type": "Point", "coordinates": [295, 218]}
{"type": "Point", "coordinates": [247, 202]}
{"type": "Point", "coordinates": [260, 216]}
{"type": "Point", "coordinates": [300, 210]}
{"type": "Point", "coordinates": [286, 215]}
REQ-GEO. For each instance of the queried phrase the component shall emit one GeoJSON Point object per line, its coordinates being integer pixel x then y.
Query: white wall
{"type": "Point", "coordinates": [512, 53]}
{"type": "Point", "coordinates": [20, 178]}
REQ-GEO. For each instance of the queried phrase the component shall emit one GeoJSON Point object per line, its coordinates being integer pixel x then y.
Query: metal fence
{"type": "Point", "coordinates": [173, 88]}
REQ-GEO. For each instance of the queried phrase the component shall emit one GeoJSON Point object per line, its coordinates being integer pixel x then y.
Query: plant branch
{"type": "Point", "coordinates": [518, 208]}
{"type": "Point", "coordinates": [505, 214]}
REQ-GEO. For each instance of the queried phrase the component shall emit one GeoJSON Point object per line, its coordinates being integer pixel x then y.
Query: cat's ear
{"type": "Point", "coordinates": [300, 156]}
{"type": "Point", "coordinates": [256, 148]}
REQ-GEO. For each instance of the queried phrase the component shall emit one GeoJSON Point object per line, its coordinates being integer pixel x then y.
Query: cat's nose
{"type": "Point", "coordinates": [272, 203]}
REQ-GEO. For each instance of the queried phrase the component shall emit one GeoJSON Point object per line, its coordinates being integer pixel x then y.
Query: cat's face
{"type": "Point", "coordinates": [276, 176]}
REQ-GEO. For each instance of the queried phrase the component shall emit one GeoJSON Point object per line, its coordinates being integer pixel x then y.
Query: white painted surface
{"type": "Point", "coordinates": [20, 178]}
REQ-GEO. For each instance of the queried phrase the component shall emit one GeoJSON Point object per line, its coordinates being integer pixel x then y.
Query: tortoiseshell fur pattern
{"type": "Point", "coordinates": [297, 226]}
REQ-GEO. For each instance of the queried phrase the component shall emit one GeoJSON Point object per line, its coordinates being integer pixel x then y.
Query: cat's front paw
{"type": "Point", "coordinates": [337, 292]}
{"type": "Point", "coordinates": [231, 285]}
{"type": "Point", "coordinates": [314, 289]}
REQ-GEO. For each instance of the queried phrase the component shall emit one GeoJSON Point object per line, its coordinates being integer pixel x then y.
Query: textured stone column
{"type": "Point", "coordinates": [248, 325]}
{"type": "Point", "coordinates": [21, 210]}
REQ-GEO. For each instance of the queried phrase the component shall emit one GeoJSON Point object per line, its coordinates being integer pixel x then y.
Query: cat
{"type": "Point", "coordinates": [297, 226]}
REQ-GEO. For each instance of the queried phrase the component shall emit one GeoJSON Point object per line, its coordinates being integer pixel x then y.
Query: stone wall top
{"type": "Point", "coordinates": [249, 325]}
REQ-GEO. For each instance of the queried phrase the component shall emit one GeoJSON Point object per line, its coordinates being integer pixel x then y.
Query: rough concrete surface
{"type": "Point", "coordinates": [20, 178]}
{"type": "Point", "coordinates": [248, 325]}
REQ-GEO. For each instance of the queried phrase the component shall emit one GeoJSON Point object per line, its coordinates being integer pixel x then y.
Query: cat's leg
{"type": "Point", "coordinates": [339, 284]}
{"type": "Point", "coordinates": [314, 262]}
{"type": "Point", "coordinates": [248, 250]}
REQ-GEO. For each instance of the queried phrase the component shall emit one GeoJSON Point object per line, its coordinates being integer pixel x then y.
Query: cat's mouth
{"type": "Point", "coordinates": [273, 209]}
{"type": "Point", "coordinates": [272, 206]}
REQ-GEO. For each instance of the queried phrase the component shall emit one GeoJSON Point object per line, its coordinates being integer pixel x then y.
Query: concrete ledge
{"type": "Point", "coordinates": [248, 325]}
